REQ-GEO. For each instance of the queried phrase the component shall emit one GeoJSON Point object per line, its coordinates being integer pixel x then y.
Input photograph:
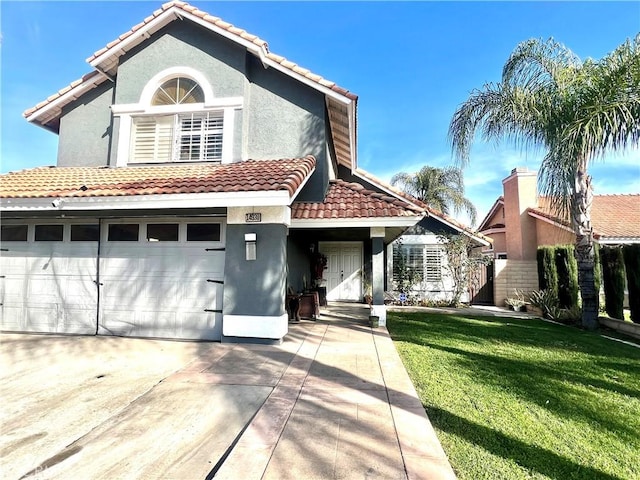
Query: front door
{"type": "Point", "coordinates": [344, 270]}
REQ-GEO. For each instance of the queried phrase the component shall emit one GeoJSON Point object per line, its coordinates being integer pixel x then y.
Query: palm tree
{"type": "Point", "coordinates": [575, 111]}
{"type": "Point", "coordinates": [440, 188]}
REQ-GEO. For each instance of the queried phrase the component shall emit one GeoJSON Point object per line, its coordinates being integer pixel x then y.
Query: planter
{"type": "Point", "coordinates": [374, 321]}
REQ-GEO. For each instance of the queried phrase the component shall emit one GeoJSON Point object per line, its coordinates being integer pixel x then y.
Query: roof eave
{"type": "Point", "coordinates": [132, 202]}
{"type": "Point", "coordinates": [38, 116]}
{"type": "Point", "coordinates": [492, 211]}
{"type": "Point", "coordinates": [405, 221]}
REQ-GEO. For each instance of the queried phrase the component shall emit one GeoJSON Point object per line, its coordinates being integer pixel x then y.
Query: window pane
{"type": "Point", "coordinates": [14, 233]}
{"type": "Point", "coordinates": [49, 233]}
{"type": "Point", "coordinates": [203, 232]}
{"type": "Point", "coordinates": [178, 91]}
{"type": "Point", "coordinates": [85, 233]}
{"type": "Point", "coordinates": [200, 137]}
{"type": "Point", "coordinates": [162, 232]}
{"type": "Point", "coordinates": [126, 232]}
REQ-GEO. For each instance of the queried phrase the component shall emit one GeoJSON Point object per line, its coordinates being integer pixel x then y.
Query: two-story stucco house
{"type": "Point", "coordinates": [198, 175]}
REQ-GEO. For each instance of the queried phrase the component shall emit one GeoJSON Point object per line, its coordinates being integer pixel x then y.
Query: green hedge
{"type": "Point", "coordinates": [547, 272]}
{"type": "Point", "coordinates": [613, 278]}
{"type": "Point", "coordinates": [631, 254]}
{"type": "Point", "coordinates": [597, 268]}
{"type": "Point", "coordinates": [567, 269]}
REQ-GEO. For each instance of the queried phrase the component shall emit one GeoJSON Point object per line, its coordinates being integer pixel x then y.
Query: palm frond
{"type": "Point", "coordinates": [540, 64]}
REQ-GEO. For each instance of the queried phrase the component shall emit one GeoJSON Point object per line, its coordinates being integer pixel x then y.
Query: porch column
{"type": "Point", "coordinates": [255, 275]}
{"type": "Point", "coordinates": [378, 307]}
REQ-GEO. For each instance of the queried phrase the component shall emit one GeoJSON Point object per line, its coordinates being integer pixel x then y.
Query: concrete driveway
{"type": "Point", "coordinates": [332, 402]}
{"type": "Point", "coordinates": [105, 407]}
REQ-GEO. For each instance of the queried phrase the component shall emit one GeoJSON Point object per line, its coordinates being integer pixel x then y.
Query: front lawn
{"type": "Point", "coordinates": [522, 398]}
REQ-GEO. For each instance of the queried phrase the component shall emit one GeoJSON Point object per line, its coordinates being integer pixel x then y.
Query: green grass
{"type": "Point", "coordinates": [522, 398]}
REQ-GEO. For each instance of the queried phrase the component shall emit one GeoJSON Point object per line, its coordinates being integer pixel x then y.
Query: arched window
{"type": "Point", "coordinates": [178, 137]}
{"type": "Point", "coordinates": [177, 91]}
{"type": "Point", "coordinates": [177, 119]}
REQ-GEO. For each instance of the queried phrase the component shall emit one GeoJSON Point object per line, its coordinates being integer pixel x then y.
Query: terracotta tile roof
{"type": "Point", "coordinates": [612, 216]}
{"type": "Point", "coordinates": [352, 200]}
{"type": "Point", "coordinates": [235, 31]}
{"type": "Point", "coordinates": [419, 203]}
{"type": "Point", "coordinates": [213, 21]}
{"type": "Point", "coordinates": [248, 176]}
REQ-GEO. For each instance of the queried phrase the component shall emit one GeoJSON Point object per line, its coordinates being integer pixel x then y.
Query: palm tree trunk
{"type": "Point", "coordinates": [584, 250]}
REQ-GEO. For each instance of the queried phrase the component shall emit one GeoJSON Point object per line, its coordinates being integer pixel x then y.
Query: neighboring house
{"type": "Point", "coordinates": [198, 175]}
{"type": "Point", "coordinates": [520, 221]}
{"type": "Point", "coordinates": [423, 250]}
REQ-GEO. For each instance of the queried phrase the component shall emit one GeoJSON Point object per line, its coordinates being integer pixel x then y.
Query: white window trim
{"type": "Point", "coordinates": [126, 112]}
{"type": "Point", "coordinates": [157, 80]}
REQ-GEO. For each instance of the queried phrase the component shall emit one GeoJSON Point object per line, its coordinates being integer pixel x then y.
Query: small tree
{"type": "Point", "coordinates": [613, 276]}
{"type": "Point", "coordinates": [631, 255]}
{"type": "Point", "coordinates": [461, 265]}
{"type": "Point", "coordinates": [567, 269]}
{"type": "Point", "coordinates": [547, 272]}
{"type": "Point", "coordinates": [405, 274]}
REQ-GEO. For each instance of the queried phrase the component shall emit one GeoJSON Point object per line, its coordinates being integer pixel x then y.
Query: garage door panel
{"type": "Point", "coordinates": [158, 289]}
{"type": "Point", "coordinates": [201, 326]}
{"type": "Point", "coordinates": [11, 317]}
{"type": "Point", "coordinates": [49, 287]}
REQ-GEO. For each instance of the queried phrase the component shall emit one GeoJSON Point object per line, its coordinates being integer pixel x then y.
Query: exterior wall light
{"type": "Point", "coordinates": [250, 240]}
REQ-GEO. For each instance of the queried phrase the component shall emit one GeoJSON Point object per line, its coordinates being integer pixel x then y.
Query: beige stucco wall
{"type": "Point", "coordinates": [499, 242]}
{"type": "Point", "coordinates": [510, 275]}
{"type": "Point", "coordinates": [549, 234]}
{"type": "Point", "coordinates": [520, 194]}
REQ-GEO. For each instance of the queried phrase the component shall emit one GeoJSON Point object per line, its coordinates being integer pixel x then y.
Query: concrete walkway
{"type": "Point", "coordinates": [333, 401]}
{"type": "Point", "coordinates": [343, 409]}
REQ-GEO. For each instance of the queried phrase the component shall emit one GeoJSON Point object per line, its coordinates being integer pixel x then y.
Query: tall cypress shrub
{"type": "Point", "coordinates": [613, 277]}
{"type": "Point", "coordinates": [547, 272]}
{"type": "Point", "coordinates": [597, 269]}
{"type": "Point", "coordinates": [631, 254]}
{"type": "Point", "coordinates": [567, 269]}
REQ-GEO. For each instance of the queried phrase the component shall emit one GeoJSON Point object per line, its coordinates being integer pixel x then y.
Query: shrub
{"type": "Point", "coordinates": [547, 302]}
{"type": "Point", "coordinates": [597, 268]}
{"type": "Point", "coordinates": [631, 254]}
{"type": "Point", "coordinates": [567, 269]}
{"type": "Point", "coordinates": [613, 277]}
{"type": "Point", "coordinates": [547, 272]}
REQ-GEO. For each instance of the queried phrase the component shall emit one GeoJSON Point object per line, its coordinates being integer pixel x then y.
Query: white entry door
{"type": "Point", "coordinates": [344, 270]}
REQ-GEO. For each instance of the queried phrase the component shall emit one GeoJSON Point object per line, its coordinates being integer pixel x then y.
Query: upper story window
{"type": "Point", "coordinates": [191, 137]}
{"type": "Point", "coordinates": [178, 119]}
{"type": "Point", "coordinates": [177, 91]}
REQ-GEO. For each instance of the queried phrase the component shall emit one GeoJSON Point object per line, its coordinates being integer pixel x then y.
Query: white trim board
{"type": "Point", "coordinates": [178, 200]}
{"type": "Point", "coordinates": [255, 326]}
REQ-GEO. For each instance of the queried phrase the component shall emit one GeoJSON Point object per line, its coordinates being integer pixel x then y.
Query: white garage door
{"type": "Point", "coordinates": [47, 277]}
{"type": "Point", "coordinates": [162, 279]}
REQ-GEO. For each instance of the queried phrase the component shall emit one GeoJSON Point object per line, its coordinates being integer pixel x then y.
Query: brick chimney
{"type": "Point", "coordinates": [520, 230]}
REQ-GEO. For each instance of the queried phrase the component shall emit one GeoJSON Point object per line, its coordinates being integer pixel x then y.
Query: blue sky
{"type": "Point", "coordinates": [410, 63]}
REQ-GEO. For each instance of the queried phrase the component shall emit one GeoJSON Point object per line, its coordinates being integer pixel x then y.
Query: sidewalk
{"type": "Point", "coordinates": [344, 408]}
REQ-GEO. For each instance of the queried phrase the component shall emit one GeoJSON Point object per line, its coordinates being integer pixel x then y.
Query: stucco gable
{"type": "Point", "coordinates": [341, 104]}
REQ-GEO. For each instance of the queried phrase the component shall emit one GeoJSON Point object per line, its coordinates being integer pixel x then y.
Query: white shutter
{"type": "Point", "coordinates": [433, 263]}
{"type": "Point", "coordinates": [152, 139]}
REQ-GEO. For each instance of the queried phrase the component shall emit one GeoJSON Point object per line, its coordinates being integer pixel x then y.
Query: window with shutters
{"type": "Point", "coordinates": [177, 137]}
{"type": "Point", "coordinates": [193, 137]}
